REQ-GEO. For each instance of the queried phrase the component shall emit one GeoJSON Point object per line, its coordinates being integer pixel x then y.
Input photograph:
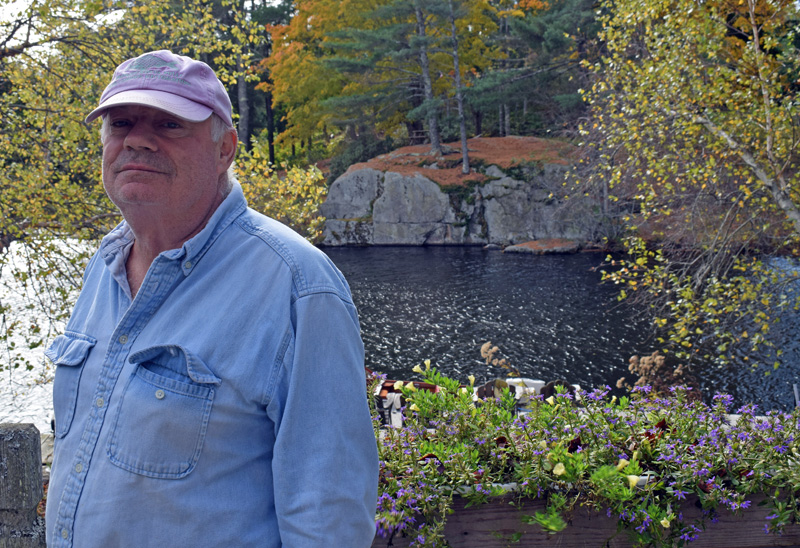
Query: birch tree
{"type": "Point", "coordinates": [696, 125]}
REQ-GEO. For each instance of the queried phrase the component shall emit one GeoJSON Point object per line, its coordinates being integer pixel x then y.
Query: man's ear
{"type": "Point", "coordinates": [227, 149]}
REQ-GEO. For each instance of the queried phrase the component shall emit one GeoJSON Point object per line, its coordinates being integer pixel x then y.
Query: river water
{"type": "Point", "coordinates": [549, 315]}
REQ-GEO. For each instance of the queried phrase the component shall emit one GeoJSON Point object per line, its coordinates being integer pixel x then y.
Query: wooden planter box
{"type": "Point", "coordinates": [492, 526]}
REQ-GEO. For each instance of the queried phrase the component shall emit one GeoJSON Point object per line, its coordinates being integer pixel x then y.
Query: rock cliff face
{"type": "Point", "coordinates": [371, 207]}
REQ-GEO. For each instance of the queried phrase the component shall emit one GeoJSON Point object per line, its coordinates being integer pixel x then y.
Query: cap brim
{"type": "Point", "coordinates": [174, 104]}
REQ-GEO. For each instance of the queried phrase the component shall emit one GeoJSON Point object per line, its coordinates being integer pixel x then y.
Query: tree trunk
{"type": "Point", "coordinates": [462, 122]}
{"type": "Point", "coordinates": [433, 122]}
{"type": "Point", "coordinates": [270, 128]}
{"type": "Point", "coordinates": [244, 104]}
{"type": "Point", "coordinates": [507, 120]}
{"type": "Point", "coordinates": [500, 125]}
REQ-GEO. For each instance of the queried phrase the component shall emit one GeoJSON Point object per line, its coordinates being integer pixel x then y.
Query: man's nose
{"type": "Point", "coordinates": [140, 136]}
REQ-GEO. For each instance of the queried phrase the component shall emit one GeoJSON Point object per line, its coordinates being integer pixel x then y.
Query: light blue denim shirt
{"type": "Point", "coordinates": [224, 406]}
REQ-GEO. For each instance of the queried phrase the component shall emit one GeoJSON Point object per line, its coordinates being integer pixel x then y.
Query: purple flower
{"type": "Point", "coordinates": [724, 399]}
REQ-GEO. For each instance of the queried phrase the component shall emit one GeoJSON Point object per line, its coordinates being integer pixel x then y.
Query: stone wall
{"type": "Point", "coordinates": [371, 207]}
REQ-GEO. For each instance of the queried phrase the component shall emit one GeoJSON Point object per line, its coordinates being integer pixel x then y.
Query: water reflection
{"type": "Point", "coordinates": [549, 315]}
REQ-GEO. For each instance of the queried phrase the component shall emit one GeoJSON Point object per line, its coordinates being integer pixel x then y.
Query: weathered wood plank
{"type": "Point", "coordinates": [20, 487]}
{"type": "Point", "coordinates": [493, 526]}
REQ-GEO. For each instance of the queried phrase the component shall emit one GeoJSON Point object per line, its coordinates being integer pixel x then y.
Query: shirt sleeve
{"type": "Point", "coordinates": [325, 462]}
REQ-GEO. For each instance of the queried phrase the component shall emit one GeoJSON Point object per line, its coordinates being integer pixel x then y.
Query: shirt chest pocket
{"type": "Point", "coordinates": [68, 352]}
{"type": "Point", "coordinates": [160, 424]}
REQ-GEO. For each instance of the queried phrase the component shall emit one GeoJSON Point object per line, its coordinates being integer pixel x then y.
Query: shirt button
{"type": "Point", "coordinates": [160, 394]}
{"type": "Point", "coordinates": [187, 265]}
{"type": "Point", "coordinates": [100, 402]}
{"type": "Point", "coordinates": [79, 468]}
{"type": "Point", "coordinates": [64, 533]}
{"type": "Point", "coordinates": [123, 339]}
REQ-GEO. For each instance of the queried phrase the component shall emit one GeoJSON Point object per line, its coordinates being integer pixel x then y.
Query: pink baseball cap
{"type": "Point", "coordinates": [173, 83]}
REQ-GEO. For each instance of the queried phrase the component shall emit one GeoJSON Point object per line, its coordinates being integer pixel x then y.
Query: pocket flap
{"type": "Point", "coordinates": [70, 349]}
{"type": "Point", "coordinates": [170, 353]}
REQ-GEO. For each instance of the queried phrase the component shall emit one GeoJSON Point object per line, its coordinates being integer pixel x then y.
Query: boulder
{"type": "Point", "coordinates": [543, 247]}
{"type": "Point", "coordinates": [351, 195]}
{"type": "Point", "coordinates": [411, 200]}
{"type": "Point", "coordinates": [370, 207]}
{"type": "Point", "coordinates": [339, 232]}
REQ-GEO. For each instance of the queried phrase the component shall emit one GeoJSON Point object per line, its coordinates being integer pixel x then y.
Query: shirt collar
{"type": "Point", "coordinates": [116, 245]}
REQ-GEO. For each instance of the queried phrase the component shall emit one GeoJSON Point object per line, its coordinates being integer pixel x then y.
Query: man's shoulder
{"type": "Point", "coordinates": [310, 268]}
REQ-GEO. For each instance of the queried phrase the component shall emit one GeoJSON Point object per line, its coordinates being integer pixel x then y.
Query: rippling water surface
{"type": "Point", "coordinates": [549, 315]}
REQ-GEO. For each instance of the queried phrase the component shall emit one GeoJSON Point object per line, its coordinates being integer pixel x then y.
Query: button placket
{"type": "Point", "coordinates": [128, 326]}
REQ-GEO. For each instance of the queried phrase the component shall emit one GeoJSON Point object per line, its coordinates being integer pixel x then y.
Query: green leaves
{"type": "Point", "coordinates": [54, 208]}
{"type": "Point", "coordinates": [695, 127]}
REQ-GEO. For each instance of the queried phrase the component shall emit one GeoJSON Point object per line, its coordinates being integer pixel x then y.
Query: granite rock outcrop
{"type": "Point", "coordinates": [368, 206]}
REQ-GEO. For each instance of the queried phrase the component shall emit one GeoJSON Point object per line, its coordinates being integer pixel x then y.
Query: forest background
{"type": "Point", "coordinates": [684, 113]}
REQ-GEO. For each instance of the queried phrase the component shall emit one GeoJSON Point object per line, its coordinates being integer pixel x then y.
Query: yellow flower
{"type": "Point", "coordinates": [542, 445]}
{"type": "Point", "coordinates": [551, 400]}
{"type": "Point", "coordinates": [410, 387]}
{"type": "Point", "coordinates": [559, 469]}
{"type": "Point", "coordinates": [632, 481]}
{"type": "Point", "coordinates": [418, 369]}
{"type": "Point", "coordinates": [414, 407]}
{"type": "Point", "coordinates": [398, 385]}
{"type": "Point", "coordinates": [665, 523]}
{"type": "Point", "coordinates": [427, 365]}
{"type": "Point", "coordinates": [464, 390]}
{"type": "Point", "coordinates": [622, 464]}
{"type": "Point", "coordinates": [471, 380]}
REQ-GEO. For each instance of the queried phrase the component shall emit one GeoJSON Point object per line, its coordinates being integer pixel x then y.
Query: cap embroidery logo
{"type": "Point", "coordinates": [152, 62]}
{"type": "Point", "coordinates": [150, 67]}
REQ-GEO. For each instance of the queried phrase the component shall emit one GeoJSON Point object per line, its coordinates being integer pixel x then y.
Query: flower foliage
{"type": "Point", "coordinates": [635, 458]}
{"type": "Point", "coordinates": [292, 196]}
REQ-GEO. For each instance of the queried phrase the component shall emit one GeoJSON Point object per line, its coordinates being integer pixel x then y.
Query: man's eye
{"type": "Point", "coordinates": [120, 123]}
{"type": "Point", "coordinates": [172, 125]}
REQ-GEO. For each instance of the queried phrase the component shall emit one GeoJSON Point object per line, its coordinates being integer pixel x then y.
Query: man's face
{"type": "Point", "coordinates": [158, 166]}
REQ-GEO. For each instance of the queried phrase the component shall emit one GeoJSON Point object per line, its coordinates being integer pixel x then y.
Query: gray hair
{"type": "Point", "coordinates": [218, 130]}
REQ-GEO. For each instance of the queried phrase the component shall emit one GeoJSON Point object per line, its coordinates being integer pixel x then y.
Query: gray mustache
{"type": "Point", "coordinates": [151, 160]}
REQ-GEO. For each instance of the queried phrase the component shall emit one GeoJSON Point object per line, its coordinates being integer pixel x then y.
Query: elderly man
{"type": "Point", "coordinates": [209, 388]}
